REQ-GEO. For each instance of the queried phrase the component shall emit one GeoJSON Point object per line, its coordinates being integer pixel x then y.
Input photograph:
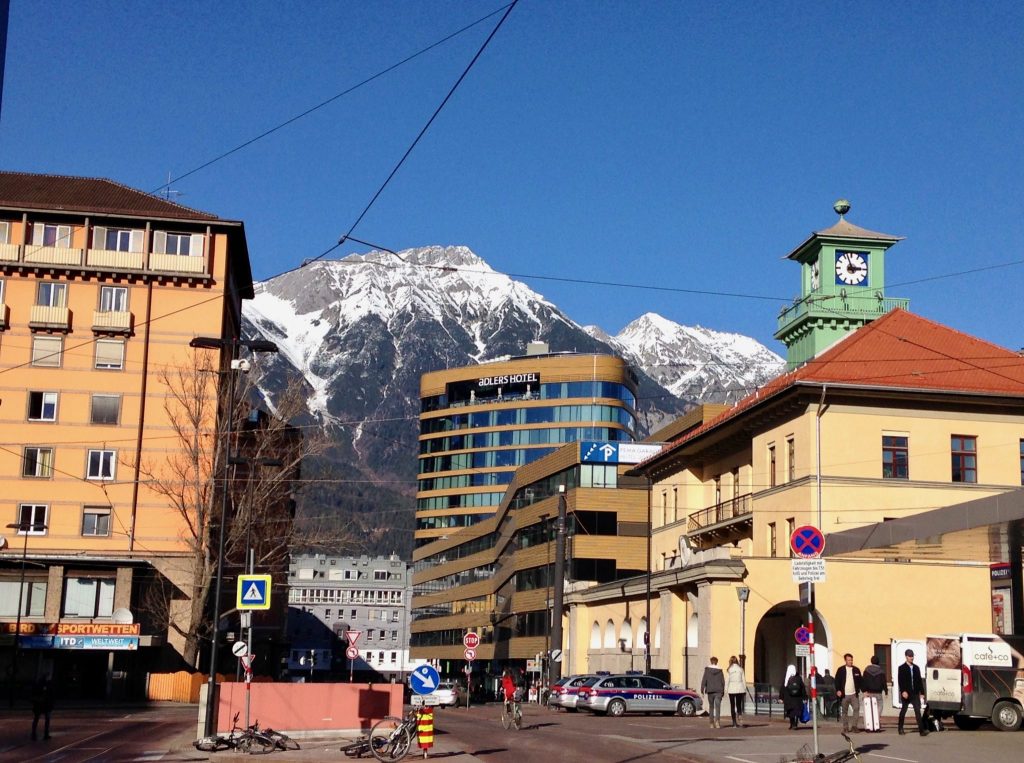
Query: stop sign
{"type": "Point", "coordinates": [471, 640]}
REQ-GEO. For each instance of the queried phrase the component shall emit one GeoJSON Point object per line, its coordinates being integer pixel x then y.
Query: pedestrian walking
{"type": "Point", "coordinates": [826, 692]}
{"type": "Point", "coordinates": [848, 689]}
{"type": "Point", "coordinates": [42, 706]}
{"type": "Point", "coordinates": [736, 688]}
{"type": "Point", "coordinates": [712, 683]}
{"type": "Point", "coordinates": [911, 688]}
{"type": "Point", "coordinates": [793, 694]}
{"type": "Point", "coordinates": [873, 686]}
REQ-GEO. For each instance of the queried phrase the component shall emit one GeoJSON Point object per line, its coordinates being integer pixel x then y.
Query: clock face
{"type": "Point", "coordinates": [815, 276]}
{"type": "Point", "coordinates": [851, 268]}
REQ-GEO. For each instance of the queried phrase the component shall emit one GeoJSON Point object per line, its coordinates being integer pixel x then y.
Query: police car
{"type": "Point", "coordinates": [636, 693]}
{"type": "Point", "coordinates": [566, 692]}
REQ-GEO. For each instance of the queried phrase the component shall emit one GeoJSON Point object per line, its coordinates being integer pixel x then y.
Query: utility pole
{"type": "Point", "coordinates": [556, 609]}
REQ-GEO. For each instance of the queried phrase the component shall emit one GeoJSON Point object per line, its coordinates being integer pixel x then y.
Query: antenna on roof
{"type": "Point", "coordinates": [168, 192]}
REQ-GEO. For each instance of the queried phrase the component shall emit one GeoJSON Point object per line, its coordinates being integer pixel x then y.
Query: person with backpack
{"type": "Point", "coordinates": [873, 686]}
{"type": "Point", "coordinates": [793, 695]}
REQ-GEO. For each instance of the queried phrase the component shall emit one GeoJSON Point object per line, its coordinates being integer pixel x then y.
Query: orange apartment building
{"type": "Point", "coordinates": [101, 289]}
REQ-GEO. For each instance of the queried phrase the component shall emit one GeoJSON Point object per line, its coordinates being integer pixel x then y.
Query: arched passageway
{"type": "Point", "coordinates": [775, 644]}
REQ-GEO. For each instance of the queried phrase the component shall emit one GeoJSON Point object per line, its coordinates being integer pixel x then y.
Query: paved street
{"type": "Point", "coordinates": [102, 735]}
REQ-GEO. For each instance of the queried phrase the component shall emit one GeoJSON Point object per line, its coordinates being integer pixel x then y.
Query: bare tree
{"type": "Point", "coordinates": [262, 475]}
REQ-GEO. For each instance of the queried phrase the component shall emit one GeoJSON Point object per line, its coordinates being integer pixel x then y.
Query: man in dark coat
{"type": "Point", "coordinates": [848, 680]}
{"type": "Point", "coordinates": [712, 683]}
{"type": "Point", "coordinates": [911, 688]}
{"type": "Point", "coordinates": [42, 705]}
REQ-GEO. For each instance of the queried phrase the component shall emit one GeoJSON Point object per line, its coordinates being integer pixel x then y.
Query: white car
{"type": "Point", "coordinates": [447, 694]}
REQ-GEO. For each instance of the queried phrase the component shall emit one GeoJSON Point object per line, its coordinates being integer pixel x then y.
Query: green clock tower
{"type": "Point", "coordinates": [842, 277]}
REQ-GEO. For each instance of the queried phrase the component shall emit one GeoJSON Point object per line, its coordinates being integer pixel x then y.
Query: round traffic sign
{"type": "Point", "coordinates": [807, 541]}
{"type": "Point", "coordinates": [239, 648]}
{"type": "Point", "coordinates": [424, 680]}
{"type": "Point", "coordinates": [470, 655]}
{"type": "Point", "coordinates": [471, 640]}
{"type": "Point", "coordinates": [351, 652]}
{"type": "Point", "coordinates": [802, 635]}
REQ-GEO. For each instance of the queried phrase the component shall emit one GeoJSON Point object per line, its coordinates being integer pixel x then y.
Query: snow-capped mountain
{"type": "Point", "coordinates": [692, 362]}
{"type": "Point", "coordinates": [358, 334]}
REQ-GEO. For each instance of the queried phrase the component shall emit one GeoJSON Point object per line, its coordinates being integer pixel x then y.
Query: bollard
{"type": "Point", "coordinates": [425, 729]}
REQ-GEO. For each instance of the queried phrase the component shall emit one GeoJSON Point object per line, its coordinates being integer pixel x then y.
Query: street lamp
{"type": "Point", "coordinates": [23, 528]}
{"type": "Point", "coordinates": [232, 344]}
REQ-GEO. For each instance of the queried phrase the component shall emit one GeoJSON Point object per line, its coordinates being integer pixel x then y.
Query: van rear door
{"type": "Point", "coordinates": [897, 650]}
{"type": "Point", "coordinates": [943, 673]}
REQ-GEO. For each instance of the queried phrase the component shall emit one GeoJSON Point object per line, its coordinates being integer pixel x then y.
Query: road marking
{"type": "Point", "coordinates": [890, 757]}
{"type": "Point", "coordinates": [741, 760]}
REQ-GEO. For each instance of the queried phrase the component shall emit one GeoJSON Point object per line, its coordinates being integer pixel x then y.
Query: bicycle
{"type": "Point", "coordinates": [281, 740]}
{"type": "Point", "coordinates": [805, 755]}
{"type": "Point", "coordinates": [512, 712]}
{"type": "Point", "coordinates": [249, 740]}
{"type": "Point", "coordinates": [391, 738]}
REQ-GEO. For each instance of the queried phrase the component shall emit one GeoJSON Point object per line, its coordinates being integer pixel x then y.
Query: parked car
{"type": "Point", "coordinates": [568, 693]}
{"type": "Point", "coordinates": [448, 694]}
{"type": "Point", "coordinates": [636, 693]}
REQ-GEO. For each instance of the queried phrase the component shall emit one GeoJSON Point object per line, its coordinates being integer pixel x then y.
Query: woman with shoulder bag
{"type": "Point", "coordinates": [793, 694]}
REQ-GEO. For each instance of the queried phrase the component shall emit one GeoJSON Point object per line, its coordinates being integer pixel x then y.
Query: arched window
{"type": "Point", "coordinates": [691, 631]}
{"type": "Point", "coordinates": [595, 635]}
{"type": "Point", "coordinates": [626, 634]}
{"type": "Point", "coordinates": [641, 630]}
{"type": "Point", "coordinates": [609, 635]}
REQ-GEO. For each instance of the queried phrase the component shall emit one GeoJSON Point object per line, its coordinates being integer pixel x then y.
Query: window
{"type": "Point", "coordinates": [42, 406]}
{"type": "Point", "coordinates": [46, 351]}
{"type": "Point", "coordinates": [113, 299]}
{"type": "Point", "coordinates": [772, 539]}
{"type": "Point", "coordinates": [5, 232]}
{"type": "Point", "coordinates": [771, 466]}
{"type": "Point", "coordinates": [327, 614]}
{"type": "Point", "coordinates": [352, 614]}
{"type": "Point", "coordinates": [37, 462]}
{"type": "Point", "coordinates": [380, 574]}
{"type": "Point", "coordinates": [895, 457]}
{"type": "Point", "coordinates": [96, 521]}
{"type": "Point", "coordinates": [350, 574]}
{"type": "Point", "coordinates": [369, 634]}
{"type": "Point", "coordinates": [45, 234]}
{"type": "Point", "coordinates": [32, 519]}
{"type": "Point", "coordinates": [49, 294]}
{"type": "Point", "coordinates": [790, 529]}
{"type": "Point", "coordinates": [110, 354]}
{"type": "Point", "coordinates": [117, 239]}
{"type": "Point", "coordinates": [394, 618]}
{"type": "Point", "coordinates": [394, 657]}
{"type": "Point", "coordinates": [106, 409]}
{"type": "Point", "coordinates": [965, 458]}
{"type": "Point", "coordinates": [182, 244]}
{"type": "Point", "coordinates": [791, 459]}
{"type": "Point", "coordinates": [32, 596]}
{"type": "Point", "coordinates": [88, 597]}
{"type": "Point", "coordinates": [101, 464]}
{"type": "Point", "coordinates": [394, 635]}
{"type": "Point", "coordinates": [736, 483]}
{"type": "Point", "coordinates": [718, 489]}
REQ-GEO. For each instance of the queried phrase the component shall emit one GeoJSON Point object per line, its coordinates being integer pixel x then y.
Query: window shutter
{"type": "Point", "coordinates": [46, 351]}
{"type": "Point", "coordinates": [197, 246]}
{"type": "Point", "coordinates": [109, 353]}
{"type": "Point", "coordinates": [159, 242]}
{"type": "Point", "coordinates": [99, 237]}
{"type": "Point", "coordinates": [137, 238]}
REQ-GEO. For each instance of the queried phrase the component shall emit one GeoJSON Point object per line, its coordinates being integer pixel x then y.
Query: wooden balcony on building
{"type": "Point", "coordinates": [46, 317]}
{"type": "Point", "coordinates": [176, 263]}
{"type": "Point", "coordinates": [52, 255]}
{"type": "Point", "coordinates": [104, 258]}
{"type": "Point", "coordinates": [10, 252]}
{"type": "Point", "coordinates": [722, 522]}
{"type": "Point", "coordinates": [112, 321]}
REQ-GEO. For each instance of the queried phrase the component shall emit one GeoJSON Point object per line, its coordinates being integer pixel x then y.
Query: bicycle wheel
{"type": "Point", "coordinates": [390, 740]}
{"type": "Point", "coordinates": [506, 716]}
{"type": "Point", "coordinates": [211, 744]}
{"type": "Point", "coordinates": [255, 743]}
{"type": "Point", "coordinates": [517, 717]}
{"type": "Point", "coordinates": [283, 741]}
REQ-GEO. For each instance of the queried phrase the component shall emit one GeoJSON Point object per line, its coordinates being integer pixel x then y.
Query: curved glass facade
{"type": "Point", "coordinates": [549, 391]}
{"type": "Point", "coordinates": [544, 414]}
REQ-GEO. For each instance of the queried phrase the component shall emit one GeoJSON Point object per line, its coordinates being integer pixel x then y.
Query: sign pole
{"type": "Point", "coordinates": [813, 671]}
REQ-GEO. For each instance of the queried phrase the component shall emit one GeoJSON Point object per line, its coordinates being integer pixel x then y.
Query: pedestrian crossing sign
{"type": "Point", "coordinates": [253, 592]}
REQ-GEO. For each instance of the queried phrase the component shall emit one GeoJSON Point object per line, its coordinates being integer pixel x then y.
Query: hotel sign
{"type": "Point", "coordinates": [617, 452]}
{"type": "Point", "coordinates": [508, 379]}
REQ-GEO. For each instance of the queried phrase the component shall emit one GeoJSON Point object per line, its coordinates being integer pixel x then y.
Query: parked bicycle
{"type": "Point", "coordinates": [389, 740]}
{"type": "Point", "coordinates": [248, 740]}
{"type": "Point", "coordinates": [842, 756]}
{"type": "Point", "coordinates": [512, 712]}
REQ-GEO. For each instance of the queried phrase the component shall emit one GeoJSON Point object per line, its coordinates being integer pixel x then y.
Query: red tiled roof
{"type": "Point", "coordinates": [23, 190]}
{"type": "Point", "coordinates": [899, 350]}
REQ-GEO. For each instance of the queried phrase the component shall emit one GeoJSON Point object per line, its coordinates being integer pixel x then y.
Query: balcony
{"type": "Point", "coordinates": [52, 255]}
{"type": "Point", "coordinates": [857, 305]}
{"type": "Point", "coordinates": [176, 263]}
{"type": "Point", "coordinates": [46, 317]}
{"type": "Point", "coordinates": [723, 522]}
{"type": "Point", "coordinates": [112, 322]}
{"type": "Point", "coordinates": [9, 252]}
{"type": "Point", "coordinates": [104, 258]}
{"type": "Point", "coordinates": [3, 315]}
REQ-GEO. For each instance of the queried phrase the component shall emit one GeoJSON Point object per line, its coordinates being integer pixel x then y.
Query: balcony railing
{"type": "Point", "coordinates": [43, 316]}
{"type": "Point", "coordinates": [859, 305]}
{"type": "Point", "coordinates": [53, 255]}
{"type": "Point", "coordinates": [104, 258]}
{"type": "Point", "coordinates": [119, 321]}
{"type": "Point", "coordinates": [9, 252]}
{"type": "Point", "coordinates": [176, 263]}
{"type": "Point", "coordinates": [739, 507]}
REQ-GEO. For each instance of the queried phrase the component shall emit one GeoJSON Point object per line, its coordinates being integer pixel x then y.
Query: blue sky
{"type": "Point", "coordinates": [678, 144]}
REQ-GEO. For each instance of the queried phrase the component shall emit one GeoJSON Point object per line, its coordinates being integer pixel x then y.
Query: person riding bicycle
{"type": "Point", "coordinates": [508, 686]}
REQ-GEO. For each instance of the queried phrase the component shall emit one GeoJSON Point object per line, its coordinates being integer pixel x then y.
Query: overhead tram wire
{"type": "Point", "coordinates": [330, 100]}
{"type": "Point", "coordinates": [422, 132]}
